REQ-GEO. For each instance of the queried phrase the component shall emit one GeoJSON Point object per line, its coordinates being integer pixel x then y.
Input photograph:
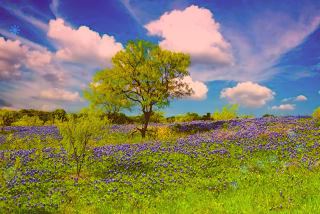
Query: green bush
{"type": "Point", "coordinates": [6, 117]}
{"type": "Point", "coordinates": [316, 115]}
{"type": "Point", "coordinates": [28, 121]}
{"type": "Point", "coordinates": [188, 117]}
{"type": "Point", "coordinates": [228, 112]}
{"type": "Point", "coordinates": [79, 133]}
{"type": "Point", "coordinates": [268, 115]}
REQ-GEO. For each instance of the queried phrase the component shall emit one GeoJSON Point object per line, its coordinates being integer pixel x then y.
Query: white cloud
{"type": "Point", "coordinates": [82, 45]}
{"type": "Point", "coordinates": [15, 57]}
{"type": "Point", "coordinates": [284, 107]}
{"type": "Point", "coordinates": [194, 31]}
{"type": "Point", "coordinates": [199, 88]}
{"type": "Point", "coordinates": [41, 76]}
{"type": "Point", "coordinates": [12, 58]}
{"type": "Point", "coordinates": [299, 98]}
{"type": "Point", "coordinates": [60, 95]}
{"type": "Point", "coordinates": [257, 52]}
{"type": "Point", "coordinates": [244, 52]}
{"type": "Point", "coordinates": [248, 94]}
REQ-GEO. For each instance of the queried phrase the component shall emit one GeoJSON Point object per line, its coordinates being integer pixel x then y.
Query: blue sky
{"type": "Point", "coordinates": [262, 55]}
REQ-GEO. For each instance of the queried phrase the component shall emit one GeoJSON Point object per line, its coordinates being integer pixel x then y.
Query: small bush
{"type": "Point", "coordinates": [316, 114]}
{"type": "Point", "coordinates": [228, 112]}
{"type": "Point", "coordinates": [28, 121]}
{"type": "Point", "coordinates": [79, 132]}
{"type": "Point", "coordinates": [164, 133]}
{"type": "Point", "coordinates": [188, 117]}
{"type": "Point", "coordinates": [268, 115]}
{"type": "Point", "coordinates": [6, 117]}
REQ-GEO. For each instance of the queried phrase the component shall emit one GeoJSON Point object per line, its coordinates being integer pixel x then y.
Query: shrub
{"type": "Point", "coordinates": [188, 117]}
{"type": "Point", "coordinates": [228, 112]}
{"type": "Point", "coordinates": [79, 132]}
{"type": "Point", "coordinates": [164, 133]}
{"type": "Point", "coordinates": [6, 117]}
{"type": "Point", "coordinates": [28, 121]}
{"type": "Point", "coordinates": [157, 117]}
{"type": "Point", "coordinates": [316, 115]}
{"type": "Point", "coordinates": [268, 115]}
{"type": "Point", "coordinates": [246, 116]}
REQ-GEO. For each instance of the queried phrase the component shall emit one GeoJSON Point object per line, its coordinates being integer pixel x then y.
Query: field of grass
{"type": "Point", "coordinates": [241, 166]}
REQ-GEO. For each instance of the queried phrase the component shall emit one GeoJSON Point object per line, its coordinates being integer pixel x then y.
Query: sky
{"type": "Point", "coordinates": [262, 55]}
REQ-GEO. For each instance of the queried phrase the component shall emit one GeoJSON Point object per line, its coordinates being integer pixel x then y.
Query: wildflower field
{"type": "Point", "coordinates": [238, 166]}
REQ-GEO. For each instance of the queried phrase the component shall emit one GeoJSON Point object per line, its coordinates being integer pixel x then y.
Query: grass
{"type": "Point", "coordinates": [235, 172]}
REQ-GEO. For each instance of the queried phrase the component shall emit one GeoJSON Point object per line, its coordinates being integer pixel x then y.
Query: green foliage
{"type": "Point", "coordinates": [6, 117]}
{"type": "Point", "coordinates": [245, 116]}
{"type": "Point", "coordinates": [228, 112]}
{"type": "Point", "coordinates": [79, 132]}
{"type": "Point", "coordinates": [268, 115]}
{"type": "Point", "coordinates": [316, 114]}
{"type": "Point", "coordinates": [59, 114]}
{"type": "Point", "coordinates": [28, 121]}
{"type": "Point", "coordinates": [119, 118]}
{"type": "Point", "coordinates": [99, 97]}
{"type": "Point", "coordinates": [144, 76]}
{"type": "Point", "coordinates": [157, 117]}
{"type": "Point", "coordinates": [170, 178]}
{"type": "Point", "coordinates": [164, 133]}
{"type": "Point", "coordinates": [188, 117]}
{"type": "Point", "coordinates": [165, 180]}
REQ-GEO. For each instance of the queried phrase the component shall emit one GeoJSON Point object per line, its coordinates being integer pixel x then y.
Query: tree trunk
{"type": "Point", "coordinates": [146, 122]}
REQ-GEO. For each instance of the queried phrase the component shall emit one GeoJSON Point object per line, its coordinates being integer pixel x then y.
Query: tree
{"type": "Point", "coordinates": [59, 114]}
{"type": "Point", "coordinates": [79, 132]}
{"type": "Point", "coordinates": [144, 76]}
{"type": "Point", "coordinates": [101, 99]}
{"type": "Point", "coordinates": [6, 118]}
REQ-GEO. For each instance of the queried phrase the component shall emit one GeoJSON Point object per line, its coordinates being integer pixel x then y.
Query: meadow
{"type": "Point", "coordinates": [256, 165]}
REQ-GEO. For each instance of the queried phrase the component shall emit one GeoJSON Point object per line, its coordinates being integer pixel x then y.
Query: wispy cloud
{"type": "Point", "coordinates": [284, 107]}
{"type": "Point", "coordinates": [134, 12]}
{"type": "Point", "coordinates": [54, 6]}
{"type": "Point", "coordinates": [300, 98]}
{"type": "Point", "coordinates": [34, 21]}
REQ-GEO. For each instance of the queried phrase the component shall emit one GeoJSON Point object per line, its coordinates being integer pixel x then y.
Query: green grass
{"type": "Point", "coordinates": [167, 182]}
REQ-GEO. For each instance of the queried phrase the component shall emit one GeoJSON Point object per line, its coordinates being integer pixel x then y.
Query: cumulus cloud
{"type": "Point", "coordinates": [199, 88]}
{"type": "Point", "coordinates": [299, 98]}
{"type": "Point", "coordinates": [194, 31]}
{"type": "Point", "coordinates": [232, 54]}
{"type": "Point", "coordinates": [248, 94]}
{"type": "Point", "coordinates": [12, 58]}
{"type": "Point", "coordinates": [15, 57]}
{"type": "Point", "coordinates": [60, 95]}
{"type": "Point", "coordinates": [82, 45]}
{"type": "Point", "coordinates": [284, 107]}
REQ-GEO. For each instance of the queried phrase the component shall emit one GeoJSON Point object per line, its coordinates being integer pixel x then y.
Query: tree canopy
{"type": "Point", "coordinates": [142, 76]}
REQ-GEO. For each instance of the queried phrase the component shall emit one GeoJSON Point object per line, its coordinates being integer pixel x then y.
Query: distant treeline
{"type": "Point", "coordinates": [37, 117]}
{"type": "Point", "coordinates": [10, 117]}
